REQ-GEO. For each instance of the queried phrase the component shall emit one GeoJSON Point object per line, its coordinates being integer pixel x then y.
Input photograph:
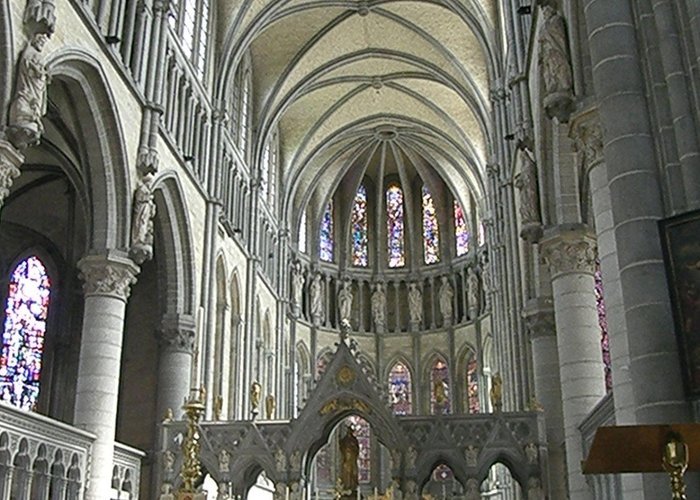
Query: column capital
{"type": "Point", "coordinates": [177, 333]}
{"type": "Point", "coordinates": [10, 161]}
{"type": "Point", "coordinates": [539, 317]}
{"type": "Point", "coordinates": [110, 274]}
{"type": "Point", "coordinates": [569, 248]}
{"type": "Point", "coordinates": [586, 132]}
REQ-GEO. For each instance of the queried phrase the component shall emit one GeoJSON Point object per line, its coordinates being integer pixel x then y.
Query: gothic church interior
{"type": "Point", "coordinates": [337, 249]}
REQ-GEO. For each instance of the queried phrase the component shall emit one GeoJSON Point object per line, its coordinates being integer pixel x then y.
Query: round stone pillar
{"type": "Point", "coordinates": [107, 283]}
{"type": "Point", "coordinates": [569, 250]}
{"type": "Point", "coordinates": [177, 335]}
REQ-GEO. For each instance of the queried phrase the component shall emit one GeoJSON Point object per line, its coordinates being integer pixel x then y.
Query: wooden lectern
{"type": "Point", "coordinates": [646, 448]}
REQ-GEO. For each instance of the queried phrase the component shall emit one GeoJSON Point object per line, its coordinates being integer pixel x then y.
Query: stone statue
{"type": "Point", "coordinates": [280, 491]}
{"type": "Point", "coordinates": [472, 293]}
{"type": "Point", "coordinates": [270, 406]}
{"type": "Point", "coordinates": [445, 298]}
{"type": "Point", "coordinates": [280, 460]}
{"type": "Point", "coordinates": [349, 451]}
{"type": "Point", "coordinates": [415, 304]}
{"type": "Point", "coordinates": [411, 490]}
{"type": "Point", "coordinates": [295, 491]}
{"type": "Point", "coordinates": [168, 462]}
{"type": "Point", "coordinates": [218, 406]}
{"type": "Point", "coordinates": [473, 491]}
{"type": "Point", "coordinates": [295, 460]}
{"type": "Point", "coordinates": [395, 459]}
{"type": "Point", "coordinates": [255, 395]}
{"type": "Point", "coordinates": [471, 455]}
{"type": "Point", "coordinates": [224, 461]}
{"type": "Point", "coordinates": [29, 101]}
{"type": "Point", "coordinates": [315, 291]}
{"type": "Point", "coordinates": [526, 181]}
{"type": "Point", "coordinates": [496, 393]}
{"type": "Point", "coordinates": [144, 210]}
{"type": "Point", "coordinates": [166, 492]}
{"type": "Point", "coordinates": [555, 65]}
{"type": "Point", "coordinates": [297, 286]}
{"type": "Point", "coordinates": [411, 457]}
{"type": "Point", "coordinates": [534, 489]}
{"type": "Point", "coordinates": [531, 453]}
{"type": "Point", "coordinates": [486, 283]}
{"type": "Point", "coordinates": [379, 306]}
{"type": "Point", "coordinates": [345, 302]}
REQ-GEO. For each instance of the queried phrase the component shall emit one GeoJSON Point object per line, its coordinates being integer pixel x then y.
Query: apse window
{"type": "Point", "coordinates": [360, 251]}
{"type": "Point", "coordinates": [461, 230]}
{"type": "Point", "coordinates": [431, 230]}
{"type": "Point", "coordinates": [395, 226]}
{"type": "Point", "coordinates": [26, 313]}
{"type": "Point", "coordinates": [326, 234]}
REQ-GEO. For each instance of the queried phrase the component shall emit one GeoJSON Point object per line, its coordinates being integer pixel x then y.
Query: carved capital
{"type": "Point", "coordinates": [10, 161]}
{"type": "Point", "coordinates": [587, 134]}
{"type": "Point", "coordinates": [569, 249]}
{"type": "Point", "coordinates": [177, 333]}
{"type": "Point", "coordinates": [40, 16]}
{"type": "Point", "coordinates": [108, 275]}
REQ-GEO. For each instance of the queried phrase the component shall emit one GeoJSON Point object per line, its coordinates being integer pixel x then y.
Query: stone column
{"type": "Point", "coordinates": [539, 318]}
{"type": "Point", "coordinates": [107, 282]}
{"type": "Point", "coordinates": [569, 250]}
{"type": "Point", "coordinates": [177, 335]}
{"type": "Point", "coordinates": [10, 161]}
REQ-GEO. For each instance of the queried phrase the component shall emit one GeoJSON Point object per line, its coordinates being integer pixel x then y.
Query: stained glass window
{"type": "Point", "coordinates": [326, 236]}
{"type": "Point", "coordinates": [461, 230]}
{"type": "Point", "coordinates": [265, 171]}
{"type": "Point", "coordinates": [395, 226]}
{"type": "Point", "coordinates": [603, 322]}
{"type": "Point", "coordinates": [323, 466]}
{"type": "Point", "coordinates": [361, 430]}
{"type": "Point", "coordinates": [473, 385]}
{"type": "Point", "coordinates": [431, 230]}
{"type": "Point", "coordinates": [359, 228]}
{"type": "Point", "coordinates": [400, 389]}
{"type": "Point", "coordinates": [440, 389]}
{"type": "Point", "coordinates": [302, 233]}
{"type": "Point", "coordinates": [23, 334]}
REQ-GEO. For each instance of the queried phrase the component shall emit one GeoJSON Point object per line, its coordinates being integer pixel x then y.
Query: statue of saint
{"type": "Point", "coordinates": [316, 300]}
{"type": "Point", "coordinates": [29, 102]}
{"type": "Point", "coordinates": [349, 452]}
{"type": "Point", "coordinates": [526, 182]}
{"type": "Point", "coordinates": [270, 406]}
{"type": "Point", "coordinates": [415, 304]}
{"type": "Point", "coordinates": [255, 394]}
{"type": "Point", "coordinates": [496, 393]}
{"type": "Point", "coordinates": [555, 65]}
{"type": "Point", "coordinates": [297, 286]}
{"type": "Point", "coordinates": [473, 293]}
{"type": "Point", "coordinates": [345, 302]}
{"type": "Point", "coordinates": [142, 221]}
{"type": "Point", "coordinates": [379, 306]}
{"type": "Point", "coordinates": [445, 298]}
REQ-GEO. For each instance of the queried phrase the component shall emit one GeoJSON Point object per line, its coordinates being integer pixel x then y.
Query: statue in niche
{"type": "Point", "coordinates": [415, 304]}
{"type": "Point", "coordinates": [295, 460]}
{"type": "Point", "coordinates": [526, 182]}
{"type": "Point", "coordinates": [142, 221]}
{"type": "Point", "coordinates": [555, 65]}
{"type": "Point", "coordinates": [531, 453]}
{"type": "Point", "coordinates": [379, 307]}
{"type": "Point", "coordinates": [315, 290]}
{"type": "Point", "coordinates": [280, 491]}
{"type": "Point", "coordinates": [280, 460]}
{"type": "Point", "coordinates": [445, 296]}
{"type": "Point", "coordinates": [28, 104]}
{"type": "Point", "coordinates": [411, 490]}
{"type": "Point", "coordinates": [486, 280]}
{"type": "Point", "coordinates": [349, 452]}
{"type": "Point", "coordinates": [297, 286]}
{"type": "Point", "coordinates": [472, 293]}
{"type": "Point", "coordinates": [496, 393]}
{"type": "Point", "coordinates": [471, 455]}
{"type": "Point", "coordinates": [345, 302]}
{"type": "Point", "coordinates": [270, 406]}
{"type": "Point", "coordinates": [255, 394]}
{"type": "Point", "coordinates": [473, 491]}
{"type": "Point", "coordinates": [534, 489]}
{"type": "Point", "coordinates": [224, 461]}
{"type": "Point", "coordinates": [411, 457]}
{"type": "Point", "coordinates": [295, 492]}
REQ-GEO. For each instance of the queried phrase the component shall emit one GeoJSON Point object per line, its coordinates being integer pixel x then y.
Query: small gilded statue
{"type": "Point", "coordinates": [255, 395]}
{"type": "Point", "coordinates": [270, 406]}
{"type": "Point", "coordinates": [497, 393]}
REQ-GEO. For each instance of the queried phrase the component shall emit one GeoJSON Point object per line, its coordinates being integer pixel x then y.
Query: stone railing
{"type": "Point", "coordinates": [604, 485]}
{"type": "Point", "coordinates": [43, 458]}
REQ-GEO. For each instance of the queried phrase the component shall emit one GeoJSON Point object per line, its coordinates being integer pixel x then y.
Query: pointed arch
{"type": "Point", "coordinates": [396, 238]}
{"type": "Point", "coordinates": [400, 381]}
{"type": "Point", "coordinates": [469, 375]}
{"type": "Point", "coordinates": [438, 384]}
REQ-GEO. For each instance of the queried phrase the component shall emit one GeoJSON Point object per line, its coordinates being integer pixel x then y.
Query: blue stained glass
{"type": "Point", "coordinates": [395, 226]}
{"type": "Point", "coordinates": [400, 390]}
{"type": "Point", "coordinates": [440, 393]}
{"type": "Point", "coordinates": [431, 230]}
{"type": "Point", "coordinates": [359, 228]}
{"type": "Point", "coordinates": [326, 237]}
{"type": "Point", "coordinates": [23, 334]}
{"type": "Point", "coordinates": [461, 230]}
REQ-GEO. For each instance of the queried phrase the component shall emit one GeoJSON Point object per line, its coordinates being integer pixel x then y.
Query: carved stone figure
{"type": "Point", "coordinates": [411, 490]}
{"type": "Point", "coordinates": [280, 460]}
{"type": "Point", "coordinates": [473, 492]}
{"type": "Point", "coordinates": [471, 455]}
{"type": "Point", "coordinates": [527, 183]}
{"type": "Point", "coordinates": [486, 282]}
{"type": "Point", "coordinates": [168, 462]}
{"type": "Point", "coordinates": [472, 293]}
{"type": "Point", "coordinates": [270, 406]}
{"type": "Point", "coordinates": [297, 286]}
{"type": "Point", "coordinates": [142, 221]}
{"type": "Point", "coordinates": [10, 161]}
{"type": "Point", "coordinates": [415, 304]}
{"type": "Point", "coordinates": [345, 302]}
{"type": "Point", "coordinates": [224, 461]}
{"type": "Point", "coordinates": [255, 395]}
{"type": "Point", "coordinates": [496, 393]}
{"type": "Point", "coordinates": [280, 491]}
{"type": "Point", "coordinates": [295, 460]}
{"type": "Point", "coordinates": [379, 306]}
{"type": "Point", "coordinates": [411, 457]}
{"type": "Point", "coordinates": [349, 451]}
{"type": "Point", "coordinates": [29, 101]}
{"type": "Point", "coordinates": [295, 491]}
{"type": "Point", "coordinates": [555, 65]}
{"type": "Point", "coordinates": [534, 489]}
{"type": "Point", "coordinates": [315, 291]}
{"type": "Point", "coordinates": [531, 453]}
{"type": "Point", "coordinates": [445, 296]}
{"type": "Point", "coordinates": [395, 459]}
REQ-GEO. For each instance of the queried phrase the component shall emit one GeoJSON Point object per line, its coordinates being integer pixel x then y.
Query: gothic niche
{"type": "Point", "coordinates": [555, 65]}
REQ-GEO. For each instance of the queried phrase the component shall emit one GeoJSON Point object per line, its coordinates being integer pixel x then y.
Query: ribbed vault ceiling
{"type": "Point", "coordinates": [340, 77]}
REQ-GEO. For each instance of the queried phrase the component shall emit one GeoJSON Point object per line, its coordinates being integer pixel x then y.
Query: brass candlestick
{"type": "Point", "coordinates": [675, 462]}
{"type": "Point", "coordinates": [191, 467]}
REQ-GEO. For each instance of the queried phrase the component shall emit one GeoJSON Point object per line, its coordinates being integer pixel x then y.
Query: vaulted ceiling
{"type": "Point", "coordinates": [337, 76]}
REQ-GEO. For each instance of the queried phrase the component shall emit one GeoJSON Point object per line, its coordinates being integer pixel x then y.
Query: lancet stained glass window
{"type": "Point", "coordinates": [326, 237]}
{"type": "Point", "coordinates": [395, 226]}
{"type": "Point", "coordinates": [26, 312]}
{"type": "Point", "coordinates": [400, 389]}
{"type": "Point", "coordinates": [359, 228]}
{"type": "Point", "coordinates": [440, 389]}
{"type": "Point", "coordinates": [361, 430]}
{"type": "Point", "coordinates": [302, 233]}
{"type": "Point", "coordinates": [461, 230]}
{"type": "Point", "coordinates": [473, 384]}
{"type": "Point", "coordinates": [603, 322]}
{"type": "Point", "coordinates": [431, 230]}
